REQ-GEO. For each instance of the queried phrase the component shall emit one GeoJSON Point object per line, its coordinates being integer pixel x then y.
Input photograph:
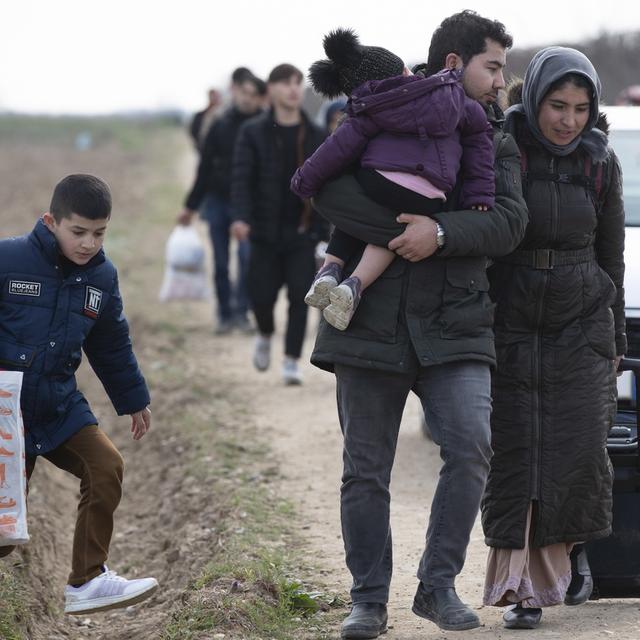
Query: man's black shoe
{"type": "Point", "coordinates": [518, 617]}
{"type": "Point", "coordinates": [581, 584]}
{"type": "Point", "coordinates": [443, 607]}
{"type": "Point", "coordinates": [366, 620]}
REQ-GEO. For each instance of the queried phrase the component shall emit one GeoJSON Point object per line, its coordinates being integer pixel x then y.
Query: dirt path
{"type": "Point", "coordinates": [301, 425]}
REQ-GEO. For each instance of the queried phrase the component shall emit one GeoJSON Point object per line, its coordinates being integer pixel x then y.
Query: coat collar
{"type": "Point", "coordinates": [48, 245]}
{"type": "Point", "coordinates": [235, 114]}
{"type": "Point", "coordinates": [270, 117]}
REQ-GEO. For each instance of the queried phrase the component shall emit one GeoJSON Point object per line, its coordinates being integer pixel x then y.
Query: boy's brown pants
{"type": "Point", "coordinates": [90, 456]}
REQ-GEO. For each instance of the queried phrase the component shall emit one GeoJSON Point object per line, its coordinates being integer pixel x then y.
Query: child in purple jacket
{"type": "Point", "coordinates": [411, 135]}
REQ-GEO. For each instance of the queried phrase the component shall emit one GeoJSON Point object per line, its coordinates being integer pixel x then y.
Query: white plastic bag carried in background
{"type": "Point", "coordinates": [185, 276]}
{"type": "Point", "coordinates": [13, 478]}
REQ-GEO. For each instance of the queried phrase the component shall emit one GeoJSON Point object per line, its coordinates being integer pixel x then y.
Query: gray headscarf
{"type": "Point", "coordinates": [547, 66]}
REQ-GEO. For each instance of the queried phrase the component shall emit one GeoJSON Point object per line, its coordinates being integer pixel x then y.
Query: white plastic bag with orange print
{"type": "Point", "coordinates": [13, 479]}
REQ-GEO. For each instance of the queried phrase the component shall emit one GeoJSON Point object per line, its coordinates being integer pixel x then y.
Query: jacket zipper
{"type": "Point", "coordinates": [536, 476]}
{"type": "Point", "coordinates": [536, 443]}
{"type": "Point", "coordinates": [554, 209]}
{"type": "Point", "coordinates": [536, 479]}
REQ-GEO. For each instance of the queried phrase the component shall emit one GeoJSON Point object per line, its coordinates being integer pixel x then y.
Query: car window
{"type": "Point", "coordinates": [627, 147]}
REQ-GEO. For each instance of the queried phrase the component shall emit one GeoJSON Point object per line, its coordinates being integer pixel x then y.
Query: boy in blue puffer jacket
{"type": "Point", "coordinates": [58, 296]}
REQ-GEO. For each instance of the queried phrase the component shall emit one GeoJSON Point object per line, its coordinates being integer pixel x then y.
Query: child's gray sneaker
{"type": "Point", "coordinates": [344, 300]}
{"type": "Point", "coordinates": [107, 591]}
{"type": "Point", "coordinates": [325, 280]}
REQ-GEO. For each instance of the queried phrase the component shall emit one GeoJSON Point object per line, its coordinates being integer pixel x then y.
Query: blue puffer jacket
{"type": "Point", "coordinates": [45, 322]}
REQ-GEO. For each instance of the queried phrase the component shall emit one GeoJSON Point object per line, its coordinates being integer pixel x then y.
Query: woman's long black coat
{"type": "Point", "coordinates": [557, 333]}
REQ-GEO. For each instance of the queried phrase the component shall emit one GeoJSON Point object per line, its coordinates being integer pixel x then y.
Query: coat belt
{"type": "Point", "coordinates": [548, 258]}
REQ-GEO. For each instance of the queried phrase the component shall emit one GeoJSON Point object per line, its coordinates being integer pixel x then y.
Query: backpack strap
{"type": "Point", "coordinates": [595, 171]}
{"type": "Point", "coordinates": [524, 163]}
{"type": "Point", "coordinates": [524, 171]}
{"type": "Point", "coordinates": [591, 178]}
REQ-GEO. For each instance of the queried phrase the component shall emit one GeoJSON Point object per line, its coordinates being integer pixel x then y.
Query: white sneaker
{"type": "Point", "coordinates": [290, 373]}
{"type": "Point", "coordinates": [107, 591]}
{"type": "Point", "coordinates": [344, 302]}
{"type": "Point", "coordinates": [325, 280]}
{"type": "Point", "coordinates": [262, 353]}
{"type": "Point", "coordinates": [318, 294]}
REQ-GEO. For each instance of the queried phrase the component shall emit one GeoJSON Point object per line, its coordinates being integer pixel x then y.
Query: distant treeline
{"type": "Point", "coordinates": [615, 57]}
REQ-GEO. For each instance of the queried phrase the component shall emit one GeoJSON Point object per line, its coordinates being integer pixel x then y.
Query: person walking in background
{"type": "Point", "coordinates": [333, 114]}
{"type": "Point", "coordinates": [211, 194]}
{"type": "Point", "coordinates": [425, 325]}
{"type": "Point", "coordinates": [265, 102]}
{"type": "Point", "coordinates": [283, 228]}
{"type": "Point", "coordinates": [202, 121]}
{"type": "Point", "coordinates": [560, 335]}
{"type": "Point", "coordinates": [240, 75]}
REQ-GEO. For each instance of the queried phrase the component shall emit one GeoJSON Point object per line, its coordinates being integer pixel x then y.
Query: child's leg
{"type": "Point", "coordinates": [331, 259]}
{"type": "Point", "coordinates": [90, 456]}
{"type": "Point", "coordinates": [373, 263]}
{"type": "Point", "coordinates": [342, 246]}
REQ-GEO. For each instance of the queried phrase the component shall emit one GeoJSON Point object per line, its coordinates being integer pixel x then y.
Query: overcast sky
{"type": "Point", "coordinates": [84, 56]}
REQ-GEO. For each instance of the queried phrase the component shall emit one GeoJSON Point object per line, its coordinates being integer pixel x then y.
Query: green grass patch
{"type": "Point", "coordinates": [252, 587]}
{"type": "Point", "coordinates": [131, 134]}
{"type": "Point", "coordinates": [12, 610]}
{"type": "Point", "coordinates": [250, 590]}
{"type": "Point", "coordinates": [251, 598]}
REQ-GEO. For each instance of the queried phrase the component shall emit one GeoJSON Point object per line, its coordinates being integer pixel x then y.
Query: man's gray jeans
{"type": "Point", "coordinates": [457, 402]}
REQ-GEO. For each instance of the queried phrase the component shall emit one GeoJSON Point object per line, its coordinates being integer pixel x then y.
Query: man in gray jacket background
{"type": "Point", "coordinates": [424, 326]}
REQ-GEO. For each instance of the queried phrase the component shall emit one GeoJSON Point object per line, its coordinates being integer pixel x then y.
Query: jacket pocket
{"type": "Point", "coordinates": [467, 309]}
{"type": "Point", "coordinates": [71, 362]}
{"type": "Point", "coordinates": [609, 289]}
{"type": "Point", "coordinates": [599, 331]}
{"type": "Point", "coordinates": [16, 355]}
{"type": "Point", "coordinates": [597, 321]}
{"type": "Point", "coordinates": [376, 317]}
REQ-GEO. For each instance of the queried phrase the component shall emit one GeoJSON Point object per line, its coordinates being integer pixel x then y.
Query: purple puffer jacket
{"type": "Point", "coordinates": [424, 126]}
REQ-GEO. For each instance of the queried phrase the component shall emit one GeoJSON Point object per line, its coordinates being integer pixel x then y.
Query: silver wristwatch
{"type": "Point", "coordinates": [439, 235]}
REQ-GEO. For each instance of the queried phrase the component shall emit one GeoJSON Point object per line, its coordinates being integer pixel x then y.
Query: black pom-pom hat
{"type": "Point", "coordinates": [350, 64]}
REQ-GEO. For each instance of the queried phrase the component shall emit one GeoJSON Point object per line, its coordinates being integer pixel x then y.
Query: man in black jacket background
{"type": "Point", "coordinates": [283, 229]}
{"type": "Point", "coordinates": [211, 192]}
{"type": "Point", "coordinates": [202, 120]}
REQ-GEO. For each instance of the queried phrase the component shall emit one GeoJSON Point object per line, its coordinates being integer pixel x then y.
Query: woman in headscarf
{"type": "Point", "coordinates": [559, 338]}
